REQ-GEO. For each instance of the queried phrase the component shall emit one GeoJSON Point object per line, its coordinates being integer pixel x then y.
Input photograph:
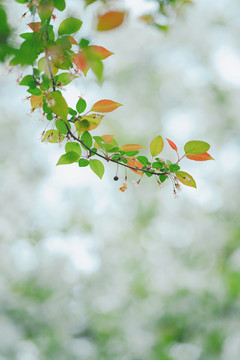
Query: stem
{"type": "Point", "coordinates": [50, 70]}
{"type": "Point", "coordinates": [89, 149]}
{"type": "Point", "coordinates": [179, 159]}
{"type": "Point", "coordinates": [115, 161]}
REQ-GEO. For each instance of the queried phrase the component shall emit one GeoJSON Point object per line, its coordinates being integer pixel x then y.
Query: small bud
{"type": "Point", "coordinates": [116, 178]}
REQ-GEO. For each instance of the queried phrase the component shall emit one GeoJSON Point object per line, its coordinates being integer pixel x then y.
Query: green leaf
{"type": "Point", "coordinates": [81, 105]}
{"type": "Point", "coordinates": [83, 162]}
{"type": "Point", "coordinates": [156, 146]}
{"type": "Point", "coordinates": [162, 178]}
{"type": "Point", "coordinates": [174, 167]}
{"type": "Point", "coordinates": [69, 26]}
{"type": "Point", "coordinates": [196, 147]}
{"type": "Point", "coordinates": [65, 78]}
{"type": "Point", "coordinates": [28, 52]}
{"type": "Point", "coordinates": [157, 165]}
{"type": "Point", "coordinates": [46, 83]}
{"type": "Point", "coordinates": [36, 91]}
{"type": "Point", "coordinates": [29, 81]}
{"type": "Point", "coordinates": [46, 109]}
{"type": "Point", "coordinates": [97, 68]}
{"type": "Point", "coordinates": [143, 160]}
{"type": "Point", "coordinates": [83, 43]}
{"type": "Point", "coordinates": [61, 126]}
{"type": "Point", "coordinates": [57, 104]}
{"type": "Point", "coordinates": [59, 4]}
{"type": "Point", "coordinates": [132, 153]}
{"type": "Point", "coordinates": [186, 178]}
{"type": "Point", "coordinates": [87, 139]}
{"type": "Point", "coordinates": [50, 117]}
{"type": "Point", "coordinates": [68, 158]}
{"type": "Point", "coordinates": [44, 10]}
{"type": "Point", "coordinates": [72, 112]}
{"type": "Point", "coordinates": [36, 73]}
{"type": "Point", "coordinates": [73, 146]}
{"type": "Point", "coordinates": [97, 167]}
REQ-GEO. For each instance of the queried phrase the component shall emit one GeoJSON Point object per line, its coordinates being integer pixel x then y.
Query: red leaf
{"type": "Point", "coordinates": [100, 51]}
{"type": "Point", "coordinates": [34, 26]}
{"type": "Point", "coordinates": [104, 106]}
{"type": "Point", "coordinates": [199, 157]}
{"type": "Point", "coordinates": [110, 20]}
{"type": "Point", "coordinates": [172, 144]}
{"type": "Point", "coordinates": [80, 61]}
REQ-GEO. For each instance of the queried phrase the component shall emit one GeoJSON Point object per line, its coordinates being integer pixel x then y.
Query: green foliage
{"type": "Point", "coordinates": [57, 104]}
{"type": "Point", "coordinates": [97, 167]}
{"type": "Point", "coordinates": [73, 146]}
{"type": "Point", "coordinates": [69, 26]}
{"type": "Point", "coordinates": [56, 58]}
{"type": "Point", "coordinates": [81, 106]}
{"type": "Point", "coordinates": [196, 147]}
{"type": "Point", "coordinates": [68, 158]}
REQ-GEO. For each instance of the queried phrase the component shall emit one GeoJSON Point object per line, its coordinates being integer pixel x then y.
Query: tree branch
{"type": "Point", "coordinates": [115, 161]}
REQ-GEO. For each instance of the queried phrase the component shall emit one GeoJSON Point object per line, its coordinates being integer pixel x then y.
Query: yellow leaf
{"type": "Point", "coordinates": [131, 147]}
{"type": "Point", "coordinates": [43, 66]}
{"type": "Point", "coordinates": [36, 101]}
{"type": "Point", "coordinates": [88, 123]}
{"type": "Point", "coordinates": [156, 145]}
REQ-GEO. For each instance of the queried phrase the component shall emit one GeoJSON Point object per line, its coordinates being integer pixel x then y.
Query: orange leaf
{"type": "Point", "coordinates": [81, 63]}
{"type": "Point", "coordinates": [104, 106]}
{"type": "Point", "coordinates": [107, 138]}
{"type": "Point", "coordinates": [110, 20]}
{"type": "Point", "coordinates": [136, 164]}
{"type": "Point", "coordinates": [131, 147]}
{"type": "Point", "coordinates": [199, 157]}
{"type": "Point", "coordinates": [34, 26]}
{"type": "Point", "coordinates": [100, 51]}
{"type": "Point", "coordinates": [72, 40]}
{"type": "Point", "coordinates": [172, 144]}
{"type": "Point", "coordinates": [36, 101]}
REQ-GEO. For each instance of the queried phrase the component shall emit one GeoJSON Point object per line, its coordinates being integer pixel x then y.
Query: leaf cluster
{"type": "Point", "coordinates": [57, 57]}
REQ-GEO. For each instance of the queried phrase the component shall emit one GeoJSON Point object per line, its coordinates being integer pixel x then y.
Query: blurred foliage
{"type": "Point", "coordinates": [166, 286]}
{"type": "Point", "coordinates": [6, 48]}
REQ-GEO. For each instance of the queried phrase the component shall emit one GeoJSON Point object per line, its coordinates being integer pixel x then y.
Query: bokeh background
{"type": "Point", "coordinates": [90, 273]}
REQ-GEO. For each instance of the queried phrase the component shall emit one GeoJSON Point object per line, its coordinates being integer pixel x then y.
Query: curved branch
{"type": "Point", "coordinates": [115, 161]}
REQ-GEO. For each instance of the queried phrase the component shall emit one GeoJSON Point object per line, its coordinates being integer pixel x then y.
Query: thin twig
{"type": "Point", "coordinates": [115, 161]}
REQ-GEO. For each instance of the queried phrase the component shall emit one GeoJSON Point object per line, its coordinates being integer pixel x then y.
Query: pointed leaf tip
{"type": "Point", "coordinates": [97, 167]}
{"type": "Point", "coordinates": [172, 144]}
{"type": "Point", "coordinates": [68, 158]}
